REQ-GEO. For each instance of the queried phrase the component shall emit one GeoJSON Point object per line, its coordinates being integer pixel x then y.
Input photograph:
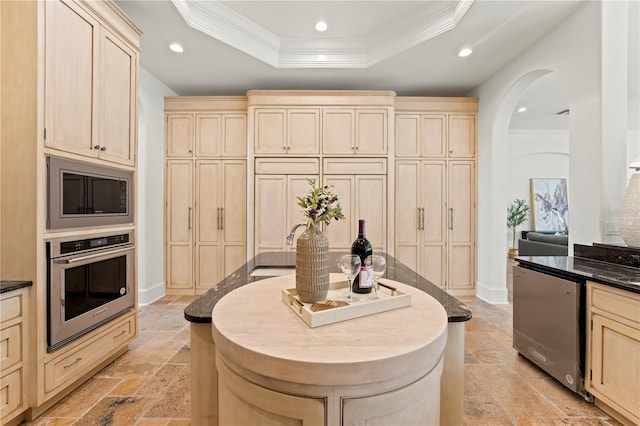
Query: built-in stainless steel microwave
{"type": "Point", "coordinates": [84, 194]}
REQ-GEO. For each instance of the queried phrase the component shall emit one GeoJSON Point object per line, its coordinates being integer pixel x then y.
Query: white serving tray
{"type": "Point", "coordinates": [388, 298]}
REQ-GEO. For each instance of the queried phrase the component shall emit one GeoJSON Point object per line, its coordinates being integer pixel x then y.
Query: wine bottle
{"type": "Point", "coordinates": [363, 282]}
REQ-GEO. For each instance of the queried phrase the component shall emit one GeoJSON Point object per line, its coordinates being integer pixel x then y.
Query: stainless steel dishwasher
{"type": "Point", "coordinates": [549, 324]}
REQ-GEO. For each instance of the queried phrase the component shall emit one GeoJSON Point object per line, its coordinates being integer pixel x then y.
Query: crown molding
{"type": "Point", "coordinates": [226, 25]}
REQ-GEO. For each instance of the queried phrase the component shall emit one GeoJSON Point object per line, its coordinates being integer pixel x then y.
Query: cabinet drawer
{"type": "Point", "coordinates": [360, 166]}
{"type": "Point", "coordinates": [290, 166]}
{"type": "Point", "coordinates": [10, 392]}
{"type": "Point", "coordinates": [10, 346]}
{"type": "Point", "coordinates": [11, 308]}
{"type": "Point", "coordinates": [73, 364]}
{"type": "Point", "coordinates": [617, 302]}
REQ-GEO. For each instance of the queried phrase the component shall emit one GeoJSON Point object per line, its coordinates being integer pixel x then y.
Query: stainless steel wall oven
{"type": "Point", "coordinates": [90, 281]}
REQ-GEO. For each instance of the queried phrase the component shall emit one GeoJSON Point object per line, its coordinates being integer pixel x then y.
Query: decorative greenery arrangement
{"type": "Point", "coordinates": [321, 205]}
{"type": "Point", "coordinates": [516, 214]}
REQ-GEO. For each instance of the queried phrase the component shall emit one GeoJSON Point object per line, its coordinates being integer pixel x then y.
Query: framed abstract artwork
{"type": "Point", "coordinates": [549, 204]}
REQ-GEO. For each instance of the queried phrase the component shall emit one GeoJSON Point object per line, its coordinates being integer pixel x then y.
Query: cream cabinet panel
{"type": "Point", "coordinates": [303, 131]}
{"type": "Point", "coordinates": [277, 210]}
{"type": "Point", "coordinates": [408, 213]}
{"type": "Point", "coordinates": [234, 135]}
{"type": "Point", "coordinates": [179, 223]}
{"type": "Point", "coordinates": [433, 136]}
{"type": "Point", "coordinates": [338, 131]}
{"type": "Point", "coordinates": [14, 386]}
{"type": "Point", "coordinates": [71, 38]}
{"type": "Point", "coordinates": [613, 348]}
{"type": "Point", "coordinates": [270, 131]}
{"type": "Point", "coordinates": [208, 134]}
{"type": "Point", "coordinates": [11, 393]}
{"type": "Point", "coordinates": [179, 135]}
{"type": "Point", "coordinates": [10, 346]}
{"type": "Point", "coordinates": [361, 197]}
{"type": "Point", "coordinates": [407, 135]}
{"type": "Point", "coordinates": [462, 136]}
{"type": "Point", "coordinates": [118, 67]}
{"type": "Point", "coordinates": [461, 223]}
{"type": "Point", "coordinates": [433, 229]}
{"type": "Point", "coordinates": [371, 132]}
{"type": "Point", "coordinates": [207, 201]}
{"type": "Point", "coordinates": [208, 271]}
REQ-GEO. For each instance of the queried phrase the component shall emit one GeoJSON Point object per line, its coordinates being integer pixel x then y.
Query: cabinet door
{"type": "Point", "coordinates": [408, 213]}
{"type": "Point", "coordinates": [179, 135]}
{"type": "Point", "coordinates": [341, 233]}
{"type": "Point", "coordinates": [179, 223]}
{"type": "Point", "coordinates": [270, 213]}
{"type": "Point", "coordinates": [371, 132]}
{"type": "Point", "coordinates": [118, 71]}
{"type": "Point", "coordinates": [433, 257]}
{"type": "Point", "coordinates": [234, 135]}
{"type": "Point", "coordinates": [433, 136]}
{"type": "Point", "coordinates": [615, 365]}
{"type": "Point", "coordinates": [338, 131]}
{"type": "Point", "coordinates": [207, 223]}
{"type": "Point", "coordinates": [461, 223]}
{"type": "Point", "coordinates": [270, 131]}
{"type": "Point", "coordinates": [371, 205]}
{"type": "Point", "coordinates": [208, 134]}
{"type": "Point", "coordinates": [233, 219]}
{"type": "Point", "coordinates": [303, 131]}
{"type": "Point", "coordinates": [407, 135]}
{"type": "Point", "coordinates": [71, 46]}
{"type": "Point", "coordinates": [462, 136]}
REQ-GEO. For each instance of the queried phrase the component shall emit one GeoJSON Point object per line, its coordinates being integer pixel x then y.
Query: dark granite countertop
{"type": "Point", "coordinates": [199, 310]}
{"type": "Point", "coordinates": [615, 275]}
{"type": "Point", "coordinates": [7, 286]}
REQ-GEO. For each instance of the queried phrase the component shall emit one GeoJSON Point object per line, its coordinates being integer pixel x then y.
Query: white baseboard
{"type": "Point", "coordinates": [495, 296]}
{"type": "Point", "coordinates": [147, 296]}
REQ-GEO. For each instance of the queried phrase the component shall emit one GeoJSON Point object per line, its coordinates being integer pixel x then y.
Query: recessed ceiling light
{"type": "Point", "coordinates": [465, 52]}
{"type": "Point", "coordinates": [321, 26]}
{"type": "Point", "coordinates": [176, 47]}
{"type": "Point", "coordinates": [522, 109]}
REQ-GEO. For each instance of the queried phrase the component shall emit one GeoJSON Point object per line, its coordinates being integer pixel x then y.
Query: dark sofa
{"type": "Point", "coordinates": [540, 244]}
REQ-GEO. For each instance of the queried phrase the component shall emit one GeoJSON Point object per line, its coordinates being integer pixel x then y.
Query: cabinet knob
{"type": "Point", "coordinates": [103, 148]}
{"type": "Point", "coordinates": [96, 147]}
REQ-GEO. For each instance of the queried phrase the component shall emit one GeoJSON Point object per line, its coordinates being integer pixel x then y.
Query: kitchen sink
{"type": "Point", "coordinates": [273, 271]}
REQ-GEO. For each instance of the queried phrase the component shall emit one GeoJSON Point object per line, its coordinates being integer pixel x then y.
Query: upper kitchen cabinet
{"type": "Point", "coordinates": [286, 131]}
{"type": "Point", "coordinates": [91, 71]}
{"type": "Point", "coordinates": [436, 128]}
{"type": "Point", "coordinates": [205, 127]}
{"type": "Point", "coordinates": [359, 131]}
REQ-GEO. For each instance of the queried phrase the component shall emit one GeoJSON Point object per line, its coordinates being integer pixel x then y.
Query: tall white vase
{"type": "Point", "coordinates": [630, 214]}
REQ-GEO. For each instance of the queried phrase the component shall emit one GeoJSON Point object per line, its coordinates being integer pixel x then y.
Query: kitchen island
{"type": "Point", "coordinates": [205, 375]}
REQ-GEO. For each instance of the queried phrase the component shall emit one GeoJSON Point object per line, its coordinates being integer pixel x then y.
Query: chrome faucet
{"type": "Point", "coordinates": [293, 232]}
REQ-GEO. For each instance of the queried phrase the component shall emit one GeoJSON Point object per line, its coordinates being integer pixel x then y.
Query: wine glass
{"type": "Point", "coordinates": [349, 264]}
{"type": "Point", "coordinates": [379, 265]}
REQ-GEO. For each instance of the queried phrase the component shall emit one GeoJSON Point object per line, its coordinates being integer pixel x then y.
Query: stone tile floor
{"type": "Point", "coordinates": [149, 385]}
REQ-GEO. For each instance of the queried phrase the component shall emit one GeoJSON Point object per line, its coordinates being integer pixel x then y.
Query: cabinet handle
{"type": "Point", "coordinates": [119, 334]}
{"type": "Point", "coordinates": [221, 217]}
{"type": "Point", "coordinates": [422, 218]}
{"type": "Point", "coordinates": [190, 217]}
{"type": "Point", "coordinates": [96, 147]}
{"type": "Point", "coordinates": [103, 148]}
{"type": "Point", "coordinates": [73, 363]}
{"type": "Point", "coordinates": [451, 219]}
{"type": "Point", "coordinates": [218, 219]}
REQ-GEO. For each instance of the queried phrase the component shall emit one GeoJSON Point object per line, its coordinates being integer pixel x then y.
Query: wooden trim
{"type": "Point", "coordinates": [320, 97]}
{"type": "Point", "coordinates": [205, 103]}
{"type": "Point", "coordinates": [436, 105]}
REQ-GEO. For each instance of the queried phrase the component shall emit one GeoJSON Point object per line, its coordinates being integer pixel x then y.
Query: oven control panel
{"type": "Point", "coordinates": [93, 243]}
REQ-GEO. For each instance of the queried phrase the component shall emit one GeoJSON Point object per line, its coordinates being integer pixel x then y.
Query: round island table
{"type": "Point", "coordinates": [273, 369]}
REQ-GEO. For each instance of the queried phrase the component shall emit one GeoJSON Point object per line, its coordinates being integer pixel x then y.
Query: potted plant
{"type": "Point", "coordinates": [516, 214]}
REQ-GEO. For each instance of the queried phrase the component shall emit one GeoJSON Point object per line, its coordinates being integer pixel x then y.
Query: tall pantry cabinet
{"type": "Point", "coordinates": [205, 191]}
{"type": "Point", "coordinates": [435, 219]}
{"type": "Point", "coordinates": [69, 89]}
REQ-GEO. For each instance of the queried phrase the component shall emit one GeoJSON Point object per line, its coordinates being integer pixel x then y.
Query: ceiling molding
{"type": "Point", "coordinates": [226, 25]}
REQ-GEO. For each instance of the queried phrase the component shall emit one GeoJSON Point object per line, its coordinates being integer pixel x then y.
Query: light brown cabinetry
{"type": "Point", "coordinates": [613, 350]}
{"type": "Point", "coordinates": [286, 131]}
{"type": "Point", "coordinates": [90, 88]}
{"type": "Point", "coordinates": [205, 222]}
{"type": "Point", "coordinates": [435, 189]}
{"type": "Point", "coordinates": [206, 134]}
{"type": "Point", "coordinates": [14, 385]}
{"type": "Point", "coordinates": [205, 190]}
{"type": "Point", "coordinates": [359, 131]}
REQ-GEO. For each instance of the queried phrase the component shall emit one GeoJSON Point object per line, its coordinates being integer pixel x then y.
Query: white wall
{"type": "Point", "coordinates": [535, 154]}
{"type": "Point", "coordinates": [151, 187]}
{"type": "Point", "coordinates": [573, 51]}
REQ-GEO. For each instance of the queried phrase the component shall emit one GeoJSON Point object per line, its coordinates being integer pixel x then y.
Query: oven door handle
{"type": "Point", "coordinates": [95, 255]}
